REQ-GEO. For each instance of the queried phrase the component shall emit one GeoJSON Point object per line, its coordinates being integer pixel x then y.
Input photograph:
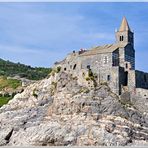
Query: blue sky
{"type": "Point", "coordinates": [39, 34]}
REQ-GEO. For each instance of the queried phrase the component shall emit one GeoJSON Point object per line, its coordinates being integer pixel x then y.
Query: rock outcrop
{"type": "Point", "coordinates": [60, 111]}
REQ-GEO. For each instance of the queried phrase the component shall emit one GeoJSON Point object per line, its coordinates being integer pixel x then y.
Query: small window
{"type": "Point", "coordinates": [105, 60]}
{"type": "Point", "coordinates": [88, 66]}
{"type": "Point", "coordinates": [126, 65]}
{"type": "Point", "coordinates": [108, 77]}
{"type": "Point", "coordinates": [65, 69]}
{"type": "Point", "coordinates": [121, 38]}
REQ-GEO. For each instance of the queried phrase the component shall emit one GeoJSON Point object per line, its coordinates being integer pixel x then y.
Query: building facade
{"type": "Point", "coordinates": [111, 63]}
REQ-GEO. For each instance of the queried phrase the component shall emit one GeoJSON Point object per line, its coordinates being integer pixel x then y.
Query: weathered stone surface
{"type": "Point", "coordinates": [72, 114]}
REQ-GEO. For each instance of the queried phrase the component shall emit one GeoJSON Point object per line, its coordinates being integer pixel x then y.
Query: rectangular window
{"type": "Point", "coordinates": [105, 60]}
{"type": "Point", "coordinates": [108, 77]}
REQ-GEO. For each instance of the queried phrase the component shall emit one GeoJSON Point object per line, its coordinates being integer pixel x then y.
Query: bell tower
{"type": "Point", "coordinates": [124, 34]}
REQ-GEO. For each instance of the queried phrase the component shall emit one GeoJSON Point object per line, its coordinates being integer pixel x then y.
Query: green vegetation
{"type": "Point", "coordinates": [90, 73]}
{"type": "Point", "coordinates": [54, 84]}
{"type": "Point", "coordinates": [9, 83]}
{"type": "Point", "coordinates": [8, 68]}
{"type": "Point", "coordinates": [4, 100]}
{"type": "Point", "coordinates": [87, 78]}
{"type": "Point", "coordinates": [58, 69]}
{"type": "Point", "coordinates": [53, 88]}
{"type": "Point", "coordinates": [84, 90]}
{"type": "Point", "coordinates": [90, 76]}
{"type": "Point", "coordinates": [34, 93]}
{"type": "Point", "coordinates": [54, 71]}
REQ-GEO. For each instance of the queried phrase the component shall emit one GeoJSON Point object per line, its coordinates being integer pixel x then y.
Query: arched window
{"type": "Point", "coordinates": [121, 38]}
{"type": "Point", "coordinates": [126, 65]}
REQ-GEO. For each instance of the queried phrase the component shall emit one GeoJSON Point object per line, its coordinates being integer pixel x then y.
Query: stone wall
{"type": "Point", "coordinates": [142, 92]}
{"type": "Point", "coordinates": [101, 65]}
{"type": "Point", "coordinates": [131, 81]}
{"type": "Point", "coordinates": [122, 80]}
{"type": "Point", "coordinates": [121, 57]}
{"type": "Point", "coordinates": [127, 54]}
{"type": "Point", "coordinates": [130, 55]}
{"type": "Point", "coordinates": [141, 79]}
{"type": "Point", "coordinates": [98, 61]}
{"type": "Point", "coordinates": [117, 76]}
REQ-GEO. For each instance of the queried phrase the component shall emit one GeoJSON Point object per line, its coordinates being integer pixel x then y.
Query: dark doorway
{"type": "Point", "coordinates": [88, 66]}
{"type": "Point", "coordinates": [126, 79]}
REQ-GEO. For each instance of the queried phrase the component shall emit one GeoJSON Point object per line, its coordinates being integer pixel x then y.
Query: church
{"type": "Point", "coordinates": [110, 63]}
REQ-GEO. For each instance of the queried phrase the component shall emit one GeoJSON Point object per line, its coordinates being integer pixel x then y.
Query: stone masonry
{"type": "Point", "coordinates": [113, 64]}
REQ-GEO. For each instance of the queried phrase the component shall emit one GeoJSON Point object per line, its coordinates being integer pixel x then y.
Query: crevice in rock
{"type": "Point", "coordinates": [7, 138]}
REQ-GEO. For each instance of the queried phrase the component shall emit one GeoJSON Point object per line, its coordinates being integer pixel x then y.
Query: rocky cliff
{"type": "Point", "coordinates": [60, 110]}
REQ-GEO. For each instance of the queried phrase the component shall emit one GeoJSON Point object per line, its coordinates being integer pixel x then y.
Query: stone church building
{"type": "Point", "coordinates": [111, 63]}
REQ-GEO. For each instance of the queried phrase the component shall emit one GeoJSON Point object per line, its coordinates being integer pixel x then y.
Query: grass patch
{"type": "Point", "coordinates": [4, 100]}
{"type": "Point", "coordinates": [9, 83]}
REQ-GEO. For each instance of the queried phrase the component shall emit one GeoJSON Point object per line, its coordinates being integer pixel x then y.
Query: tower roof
{"type": "Point", "coordinates": [124, 25]}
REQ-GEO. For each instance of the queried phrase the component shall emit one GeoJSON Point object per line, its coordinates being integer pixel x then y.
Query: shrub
{"type": "Point", "coordinates": [87, 78]}
{"type": "Point", "coordinates": [53, 88]}
{"type": "Point", "coordinates": [84, 90]}
{"type": "Point", "coordinates": [13, 94]}
{"type": "Point", "coordinates": [58, 69]}
{"type": "Point", "coordinates": [34, 94]}
{"type": "Point", "coordinates": [90, 73]}
{"type": "Point", "coordinates": [54, 84]}
{"type": "Point", "coordinates": [6, 95]}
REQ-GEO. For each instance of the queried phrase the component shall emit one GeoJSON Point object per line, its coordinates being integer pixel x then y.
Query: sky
{"type": "Point", "coordinates": [39, 34]}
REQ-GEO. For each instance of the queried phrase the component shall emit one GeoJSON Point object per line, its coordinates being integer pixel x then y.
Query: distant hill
{"type": "Point", "coordinates": [8, 68]}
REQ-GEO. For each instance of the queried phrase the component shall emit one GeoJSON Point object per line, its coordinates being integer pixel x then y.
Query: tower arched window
{"type": "Point", "coordinates": [121, 38]}
{"type": "Point", "coordinates": [126, 65]}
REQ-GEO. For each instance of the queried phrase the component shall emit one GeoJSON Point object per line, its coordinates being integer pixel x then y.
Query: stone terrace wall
{"type": "Point", "coordinates": [141, 79]}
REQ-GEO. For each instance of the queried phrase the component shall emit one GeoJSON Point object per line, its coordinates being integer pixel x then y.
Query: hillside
{"type": "Point", "coordinates": [9, 85]}
{"type": "Point", "coordinates": [8, 88]}
{"type": "Point", "coordinates": [62, 111]}
{"type": "Point", "coordinates": [8, 68]}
